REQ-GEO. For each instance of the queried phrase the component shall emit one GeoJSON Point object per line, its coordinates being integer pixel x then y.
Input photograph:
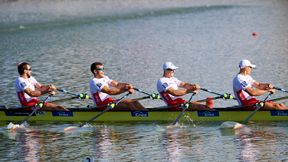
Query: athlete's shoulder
{"type": "Point", "coordinates": [32, 79]}
{"type": "Point", "coordinates": [164, 79]}
{"type": "Point", "coordinates": [106, 78]}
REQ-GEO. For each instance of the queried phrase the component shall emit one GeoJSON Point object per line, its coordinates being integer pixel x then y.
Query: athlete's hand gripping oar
{"type": "Point", "coordinates": [259, 106]}
{"type": "Point", "coordinates": [152, 96]}
{"type": "Point", "coordinates": [185, 106]}
{"type": "Point", "coordinates": [109, 107]}
{"type": "Point", "coordinates": [224, 96]}
{"type": "Point", "coordinates": [280, 89]}
{"type": "Point", "coordinates": [79, 95]}
{"type": "Point", "coordinates": [37, 106]}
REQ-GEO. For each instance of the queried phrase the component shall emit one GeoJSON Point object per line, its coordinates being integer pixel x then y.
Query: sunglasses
{"type": "Point", "coordinates": [29, 69]}
{"type": "Point", "coordinates": [100, 69]}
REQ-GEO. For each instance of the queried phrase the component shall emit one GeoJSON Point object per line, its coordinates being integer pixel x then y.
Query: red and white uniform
{"type": "Point", "coordinates": [22, 84]}
{"type": "Point", "coordinates": [163, 85]}
{"type": "Point", "coordinates": [240, 83]}
{"type": "Point", "coordinates": [96, 85]}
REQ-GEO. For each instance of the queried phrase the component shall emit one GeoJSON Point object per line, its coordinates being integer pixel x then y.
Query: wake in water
{"type": "Point", "coordinates": [17, 127]}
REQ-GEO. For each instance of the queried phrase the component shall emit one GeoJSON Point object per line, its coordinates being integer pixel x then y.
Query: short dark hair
{"type": "Point", "coordinates": [21, 67]}
{"type": "Point", "coordinates": [93, 66]}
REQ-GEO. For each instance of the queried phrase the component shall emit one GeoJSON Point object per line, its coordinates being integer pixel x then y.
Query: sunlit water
{"type": "Point", "coordinates": [206, 39]}
{"type": "Point", "coordinates": [144, 142]}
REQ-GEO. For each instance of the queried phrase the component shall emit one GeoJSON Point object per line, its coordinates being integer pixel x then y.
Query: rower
{"type": "Point", "coordinates": [28, 89]}
{"type": "Point", "coordinates": [246, 88]}
{"type": "Point", "coordinates": [101, 87]}
{"type": "Point", "coordinates": [170, 89]}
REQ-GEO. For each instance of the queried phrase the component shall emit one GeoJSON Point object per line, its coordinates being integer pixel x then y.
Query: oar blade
{"type": "Point", "coordinates": [16, 127]}
{"type": "Point", "coordinates": [231, 125]}
{"type": "Point", "coordinates": [70, 129]}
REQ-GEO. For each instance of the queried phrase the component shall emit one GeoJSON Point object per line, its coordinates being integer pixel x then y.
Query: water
{"type": "Point", "coordinates": [205, 39]}
{"type": "Point", "coordinates": [144, 142]}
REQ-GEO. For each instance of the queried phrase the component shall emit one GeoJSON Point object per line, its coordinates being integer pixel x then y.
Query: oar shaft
{"type": "Point", "coordinates": [139, 90]}
{"type": "Point", "coordinates": [259, 107]}
{"type": "Point", "coordinates": [64, 99]}
{"type": "Point", "coordinates": [79, 95]}
{"type": "Point", "coordinates": [281, 89]}
{"type": "Point", "coordinates": [27, 117]}
{"type": "Point", "coordinates": [280, 98]}
{"type": "Point", "coordinates": [152, 96]}
{"type": "Point", "coordinates": [216, 93]}
{"type": "Point", "coordinates": [140, 98]}
{"type": "Point", "coordinates": [64, 91]}
{"type": "Point", "coordinates": [107, 109]}
{"type": "Point", "coordinates": [207, 90]}
{"type": "Point", "coordinates": [183, 111]}
{"type": "Point", "coordinates": [214, 98]}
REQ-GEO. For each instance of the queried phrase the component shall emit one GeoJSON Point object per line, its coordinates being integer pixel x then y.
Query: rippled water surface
{"type": "Point", "coordinates": [146, 141]}
{"type": "Point", "coordinates": [206, 39]}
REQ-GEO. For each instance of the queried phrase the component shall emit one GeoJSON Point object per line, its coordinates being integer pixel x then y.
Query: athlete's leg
{"type": "Point", "coordinates": [51, 106]}
{"type": "Point", "coordinates": [129, 104]}
{"type": "Point", "coordinates": [274, 106]}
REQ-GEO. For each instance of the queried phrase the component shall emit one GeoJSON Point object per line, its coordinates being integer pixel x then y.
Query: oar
{"type": "Point", "coordinates": [186, 106]}
{"type": "Point", "coordinates": [241, 106]}
{"type": "Point", "coordinates": [151, 95]}
{"type": "Point", "coordinates": [41, 104]}
{"type": "Point", "coordinates": [65, 99]}
{"type": "Point", "coordinates": [225, 95]}
{"type": "Point", "coordinates": [281, 89]}
{"type": "Point", "coordinates": [235, 125]}
{"type": "Point", "coordinates": [79, 95]}
{"type": "Point", "coordinates": [259, 106]}
{"type": "Point", "coordinates": [109, 107]}
{"type": "Point", "coordinates": [140, 98]}
{"type": "Point", "coordinates": [280, 98]}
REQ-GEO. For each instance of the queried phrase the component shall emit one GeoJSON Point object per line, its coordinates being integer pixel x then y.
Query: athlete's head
{"type": "Point", "coordinates": [24, 67]}
{"type": "Point", "coordinates": [97, 68]}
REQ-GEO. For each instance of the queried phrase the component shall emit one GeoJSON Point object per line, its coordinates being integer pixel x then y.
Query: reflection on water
{"type": "Point", "coordinates": [144, 141]}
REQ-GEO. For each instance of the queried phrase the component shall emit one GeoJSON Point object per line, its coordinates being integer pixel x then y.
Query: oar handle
{"type": "Point", "coordinates": [280, 89]}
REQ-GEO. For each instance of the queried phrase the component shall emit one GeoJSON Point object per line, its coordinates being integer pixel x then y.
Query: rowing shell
{"type": "Point", "coordinates": [83, 114]}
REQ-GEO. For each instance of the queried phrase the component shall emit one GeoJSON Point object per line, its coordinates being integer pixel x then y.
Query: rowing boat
{"type": "Point", "coordinates": [152, 114]}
